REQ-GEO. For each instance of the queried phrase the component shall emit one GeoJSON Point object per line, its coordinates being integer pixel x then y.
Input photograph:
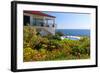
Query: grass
{"type": "Point", "coordinates": [66, 39]}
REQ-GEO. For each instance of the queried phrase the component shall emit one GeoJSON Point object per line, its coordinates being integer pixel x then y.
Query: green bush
{"type": "Point", "coordinates": [59, 33]}
{"type": "Point", "coordinates": [29, 36]}
{"type": "Point", "coordinates": [75, 50]}
{"type": "Point", "coordinates": [54, 44]}
{"type": "Point", "coordinates": [53, 37]}
{"type": "Point", "coordinates": [56, 37]}
{"type": "Point", "coordinates": [27, 54]}
{"type": "Point", "coordinates": [85, 46]}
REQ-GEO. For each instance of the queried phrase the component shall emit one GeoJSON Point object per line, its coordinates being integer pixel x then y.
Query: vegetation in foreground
{"type": "Point", "coordinates": [46, 48]}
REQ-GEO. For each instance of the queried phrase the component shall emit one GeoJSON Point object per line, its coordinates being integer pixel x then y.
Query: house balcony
{"type": "Point", "coordinates": [46, 25]}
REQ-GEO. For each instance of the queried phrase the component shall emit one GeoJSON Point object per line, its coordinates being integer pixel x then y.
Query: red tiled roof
{"type": "Point", "coordinates": [39, 13]}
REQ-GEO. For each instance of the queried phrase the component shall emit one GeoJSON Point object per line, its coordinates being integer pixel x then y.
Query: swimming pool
{"type": "Point", "coordinates": [71, 37]}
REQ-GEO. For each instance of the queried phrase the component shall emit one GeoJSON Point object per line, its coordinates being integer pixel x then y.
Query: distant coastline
{"type": "Point", "coordinates": [74, 32]}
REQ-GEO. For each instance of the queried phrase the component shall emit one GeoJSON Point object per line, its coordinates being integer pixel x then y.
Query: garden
{"type": "Point", "coordinates": [52, 47]}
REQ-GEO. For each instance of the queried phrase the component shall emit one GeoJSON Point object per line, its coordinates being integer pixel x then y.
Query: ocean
{"type": "Point", "coordinates": [74, 32]}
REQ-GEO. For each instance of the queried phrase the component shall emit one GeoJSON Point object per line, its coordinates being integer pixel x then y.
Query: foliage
{"type": "Point", "coordinates": [29, 39]}
{"type": "Point", "coordinates": [53, 37]}
{"type": "Point", "coordinates": [51, 47]}
{"type": "Point", "coordinates": [54, 44]}
{"type": "Point", "coordinates": [27, 54]}
{"type": "Point", "coordinates": [59, 33]}
{"type": "Point", "coordinates": [85, 45]}
{"type": "Point", "coordinates": [57, 37]}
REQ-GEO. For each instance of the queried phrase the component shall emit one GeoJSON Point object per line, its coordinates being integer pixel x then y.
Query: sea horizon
{"type": "Point", "coordinates": [75, 32]}
{"type": "Point", "coordinates": [75, 29]}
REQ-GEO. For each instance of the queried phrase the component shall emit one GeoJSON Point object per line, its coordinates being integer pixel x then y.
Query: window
{"type": "Point", "coordinates": [39, 22]}
{"type": "Point", "coordinates": [26, 20]}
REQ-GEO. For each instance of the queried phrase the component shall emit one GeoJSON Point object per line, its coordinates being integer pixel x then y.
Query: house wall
{"type": "Point", "coordinates": [46, 30]}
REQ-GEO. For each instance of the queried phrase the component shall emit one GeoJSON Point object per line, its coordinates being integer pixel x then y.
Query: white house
{"type": "Point", "coordinates": [41, 21]}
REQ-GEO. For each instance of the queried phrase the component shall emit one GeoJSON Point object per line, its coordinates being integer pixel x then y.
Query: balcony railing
{"type": "Point", "coordinates": [46, 25]}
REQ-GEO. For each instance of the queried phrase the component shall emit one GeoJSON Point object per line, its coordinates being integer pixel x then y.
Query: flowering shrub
{"type": "Point", "coordinates": [28, 52]}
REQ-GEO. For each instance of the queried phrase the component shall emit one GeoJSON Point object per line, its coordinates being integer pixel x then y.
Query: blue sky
{"type": "Point", "coordinates": [71, 20]}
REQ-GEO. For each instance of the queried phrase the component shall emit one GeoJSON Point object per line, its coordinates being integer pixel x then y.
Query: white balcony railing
{"type": "Point", "coordinates": [46, 25]}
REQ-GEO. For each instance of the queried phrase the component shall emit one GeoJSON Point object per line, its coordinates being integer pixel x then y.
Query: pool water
{"type": "Point", "coordinates": [72, 38]}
